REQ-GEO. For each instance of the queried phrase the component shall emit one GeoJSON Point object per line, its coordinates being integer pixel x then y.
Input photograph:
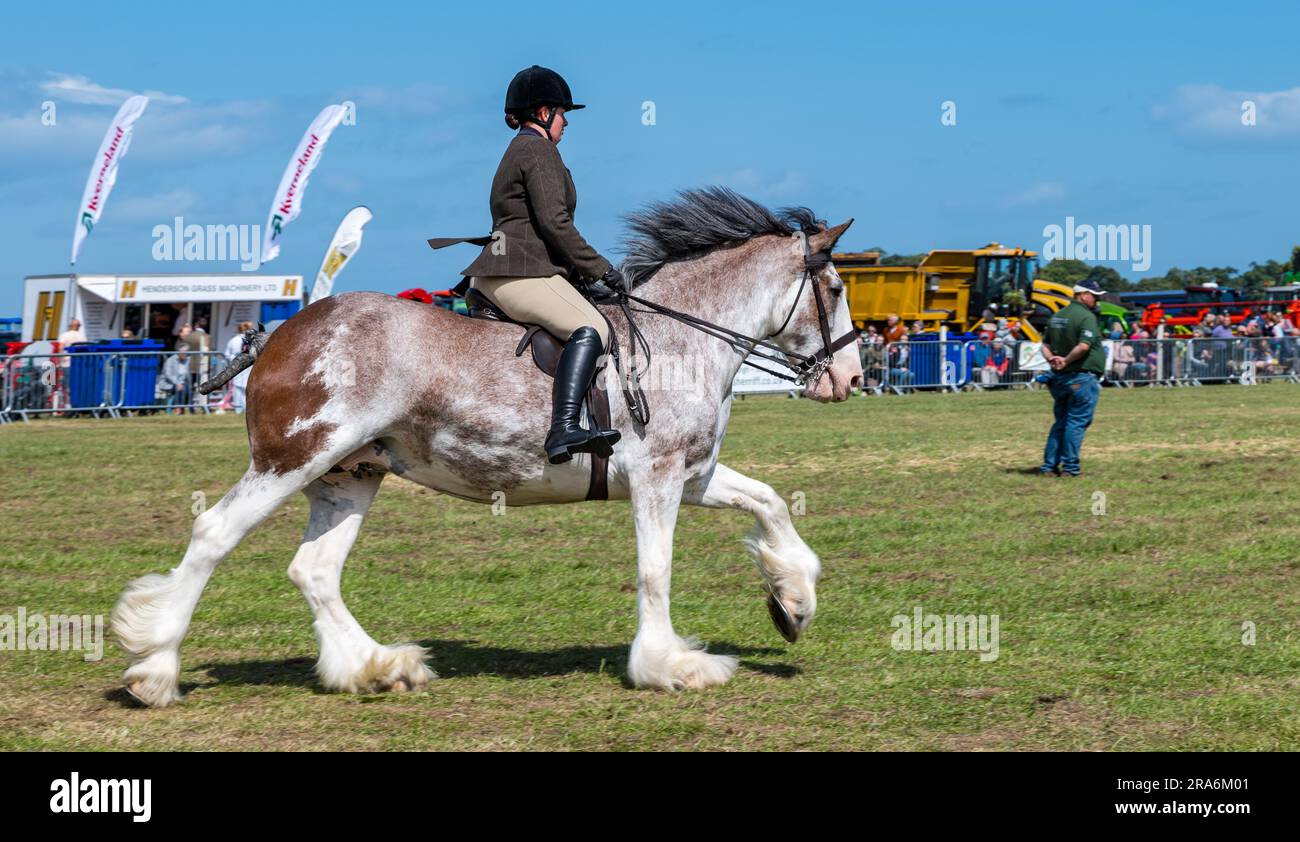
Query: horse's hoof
{"type": "Point", "coordinates": [151, 696]}
{"type": "Point", "coordinates": [133, 689]}
{"type": "Point", "coordinates": [781, 618]}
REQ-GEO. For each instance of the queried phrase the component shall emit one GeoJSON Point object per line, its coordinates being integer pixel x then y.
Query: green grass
{"type": "Point", "coordinates": [1117, 631]}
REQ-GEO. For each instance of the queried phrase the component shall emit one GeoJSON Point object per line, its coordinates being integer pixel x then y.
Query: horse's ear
{"type": "Point", "coordinates": [825, 241]}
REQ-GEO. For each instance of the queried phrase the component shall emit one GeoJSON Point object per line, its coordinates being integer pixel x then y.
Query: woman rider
{"type": "Point", "coordinates": [536, 256]}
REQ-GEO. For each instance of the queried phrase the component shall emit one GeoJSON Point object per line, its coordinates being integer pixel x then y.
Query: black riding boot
{"type": "Point", "coordinates": [572, 379]}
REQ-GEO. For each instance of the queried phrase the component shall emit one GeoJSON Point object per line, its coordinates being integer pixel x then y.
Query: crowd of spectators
{"type": "Point", "coordinates": [886, 354]}
{"type": "Point", "coordinates": [41, 382]}
{"type": "Point", "coordinates": [184, 369]}
{"type": "Point", "coordinates": [1267, 344]}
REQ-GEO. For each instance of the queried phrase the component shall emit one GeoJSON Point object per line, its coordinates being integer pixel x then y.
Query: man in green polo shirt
{"type": "Point", "coordinates": [1072, 347]}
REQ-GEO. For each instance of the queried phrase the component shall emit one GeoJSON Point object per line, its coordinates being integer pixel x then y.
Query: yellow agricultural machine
{"type": "Point", "coordinates": [952, 287]}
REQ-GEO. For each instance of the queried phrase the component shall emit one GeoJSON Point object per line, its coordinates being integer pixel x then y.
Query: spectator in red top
{"type": "Point", "coordinates": [894, 329]}
{"type": "Point", "coordinates": [992, 361]}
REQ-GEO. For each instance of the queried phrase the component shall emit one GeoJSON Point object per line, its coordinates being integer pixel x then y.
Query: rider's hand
{"type": "Point", "coordinates": [614, 280]}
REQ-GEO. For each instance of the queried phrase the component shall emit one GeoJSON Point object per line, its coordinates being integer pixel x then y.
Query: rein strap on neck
{"type": "Point", "coordinates": [808, 368]}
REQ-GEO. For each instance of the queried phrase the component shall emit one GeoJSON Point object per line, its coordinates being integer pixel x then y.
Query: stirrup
{"type": "Point", "coordinates": [597, 442]}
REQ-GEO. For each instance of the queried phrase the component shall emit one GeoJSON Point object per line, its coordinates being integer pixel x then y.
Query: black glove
{"type": "Point", "coordinates": [614, 280]}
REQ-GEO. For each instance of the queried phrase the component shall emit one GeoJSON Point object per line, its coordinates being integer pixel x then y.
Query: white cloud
{"type": "Point", "coordinates": [420, 100]}
{"type": "Point", "coordinates": [158, 208]}
{"type": "Point", "coordinates": [74, 88]}
{"type": "Point", "coordinates": [26, 135]}
{"type": "Point", "coordinates": [1043, 191]}
{"type": "Point", "coordinates": [1214, 112]}
{"type": "Point", "coordinates": [755, 185]}
{"type": "Point", "coordinates": [166, 133]}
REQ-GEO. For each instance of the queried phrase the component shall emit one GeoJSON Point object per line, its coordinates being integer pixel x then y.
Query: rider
{"type": "Point", "coordinates": [537, 256]}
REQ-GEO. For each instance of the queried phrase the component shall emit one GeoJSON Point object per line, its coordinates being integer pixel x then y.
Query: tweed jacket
{"type": "Point", "coordinates": [532, 201]}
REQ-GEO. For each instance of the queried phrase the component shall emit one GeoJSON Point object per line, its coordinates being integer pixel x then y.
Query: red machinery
{"type": "Point", "coordinates": [444, 298]}
{"type": "Point", "coordinates": [416, 294]}
{"type": "Point", "coordinates": [1218, 301]}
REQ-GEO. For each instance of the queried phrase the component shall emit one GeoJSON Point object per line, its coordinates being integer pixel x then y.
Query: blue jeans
{"type": "Point", "coordinates": [1076, 397]}
{"type": "Point", "coordinates": [901, 378]}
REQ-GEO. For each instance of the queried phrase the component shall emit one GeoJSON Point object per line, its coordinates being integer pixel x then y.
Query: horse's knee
{"type": "Point", "coordinates": [767, 504]}
{"type": "Point", "coordinates": [305, 571]}
{"type": "Point", "coordinates": [299, 573]}
{"type": "Point", "coordinates": [206, 526]}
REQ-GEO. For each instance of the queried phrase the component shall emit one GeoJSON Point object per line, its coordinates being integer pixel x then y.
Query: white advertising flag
{"type": "Point", "coordinates": [346, 242]}
{"type": "Point", "coordinates": [288, 197]}
{"type": "Point", "coordinates": [103, 173]}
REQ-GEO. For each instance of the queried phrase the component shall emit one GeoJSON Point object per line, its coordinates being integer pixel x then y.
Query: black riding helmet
{"type": "Point", "coordinates": [536, 86]}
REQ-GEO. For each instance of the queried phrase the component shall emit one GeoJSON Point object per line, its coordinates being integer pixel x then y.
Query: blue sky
{"type": "Point", "coordinates": [1112, 113]}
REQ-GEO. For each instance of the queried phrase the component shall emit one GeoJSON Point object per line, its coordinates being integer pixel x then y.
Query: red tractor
{"type": "Point", "coordinates": [1218, 301]}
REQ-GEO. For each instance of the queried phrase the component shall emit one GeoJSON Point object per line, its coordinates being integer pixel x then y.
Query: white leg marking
{"type": "Point", "coordinates": [153, 613]}
{"type": "Point", "coordinates": [786, 562]}
{"type": "Point", "coordinates": [660, 658]}
{"type": "Point", "coordinates": [350, 660]}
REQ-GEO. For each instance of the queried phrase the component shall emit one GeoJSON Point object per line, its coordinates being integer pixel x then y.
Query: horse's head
{"type": "Point", "coordinates": [811, 327]}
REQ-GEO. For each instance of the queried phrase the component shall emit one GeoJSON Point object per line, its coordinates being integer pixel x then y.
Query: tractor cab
{"type": "Point", "coordinates": [1282, 296]}
{"type": "Point", "coordinates": [1003, 280]}
{"type": "Point", "coordinates": [1212, 293]}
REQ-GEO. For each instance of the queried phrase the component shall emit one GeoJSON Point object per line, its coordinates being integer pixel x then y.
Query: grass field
{"type": "Point", "coordinates": [1120, 630]}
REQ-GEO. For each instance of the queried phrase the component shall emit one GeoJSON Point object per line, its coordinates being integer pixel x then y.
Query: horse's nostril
{"type": "Point", "coordinates": [798, 618]}
{"type": "Point", "coordinates": [856, 382]}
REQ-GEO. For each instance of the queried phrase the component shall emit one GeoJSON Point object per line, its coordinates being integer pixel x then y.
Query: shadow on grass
{"type": "Point", "coordinates": [453, 659]}
{"type": "Point", "coordinates": [463, 658]}
{"type": "Point", "coordinates": [774, 670]}
{"type": "Point", "coordinates": [291, 672]}
{"type": "Point", "coordinates": [123, 697]}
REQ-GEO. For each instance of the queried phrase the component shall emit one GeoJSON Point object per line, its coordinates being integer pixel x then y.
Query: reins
{"type": "Point", "coordinates": [807, 367]}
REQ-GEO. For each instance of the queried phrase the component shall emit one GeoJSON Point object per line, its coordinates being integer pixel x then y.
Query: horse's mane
{"type": "Point", "coordinates": [699, 221]}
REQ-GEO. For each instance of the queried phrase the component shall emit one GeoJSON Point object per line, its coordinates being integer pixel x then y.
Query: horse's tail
{"type": "Point", "coordinates": [254, 341]}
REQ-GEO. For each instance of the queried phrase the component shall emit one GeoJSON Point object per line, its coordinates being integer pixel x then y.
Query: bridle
{"type": "Point", "coordinates": [807, 367]}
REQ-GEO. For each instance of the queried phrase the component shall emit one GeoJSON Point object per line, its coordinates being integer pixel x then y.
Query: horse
{"type": "Point", "coordinates": [360, 385]}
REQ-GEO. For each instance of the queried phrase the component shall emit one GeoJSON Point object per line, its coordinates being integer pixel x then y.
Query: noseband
{"type": "Point", "coordinates": [807, 367]}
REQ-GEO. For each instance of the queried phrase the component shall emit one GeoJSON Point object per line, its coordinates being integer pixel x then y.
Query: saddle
{"type": "Point", "coordinates": [546, 356]}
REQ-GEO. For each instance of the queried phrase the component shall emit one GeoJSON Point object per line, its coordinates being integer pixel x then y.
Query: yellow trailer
{"type": "Point", "coordinates": [950, 287]}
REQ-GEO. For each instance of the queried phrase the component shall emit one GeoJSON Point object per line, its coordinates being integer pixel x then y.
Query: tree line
{"type": "Point", "coordinates": [1070, 272]}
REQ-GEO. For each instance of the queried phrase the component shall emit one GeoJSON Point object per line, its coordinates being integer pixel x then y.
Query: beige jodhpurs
{"type": "Point", "coordinates": [550, 302]}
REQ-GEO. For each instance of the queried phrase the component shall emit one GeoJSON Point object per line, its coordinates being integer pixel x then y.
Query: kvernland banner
{"type": "Point", "coordinates": [346, 242]}
{"type": "Point", "coordinates": [288, 197]}
{"type": "Point", "coordinates": [103, 172]}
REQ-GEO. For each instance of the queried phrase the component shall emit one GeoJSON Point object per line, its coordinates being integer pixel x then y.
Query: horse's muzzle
{"type": "Point", "coordinates": [836, 383]}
